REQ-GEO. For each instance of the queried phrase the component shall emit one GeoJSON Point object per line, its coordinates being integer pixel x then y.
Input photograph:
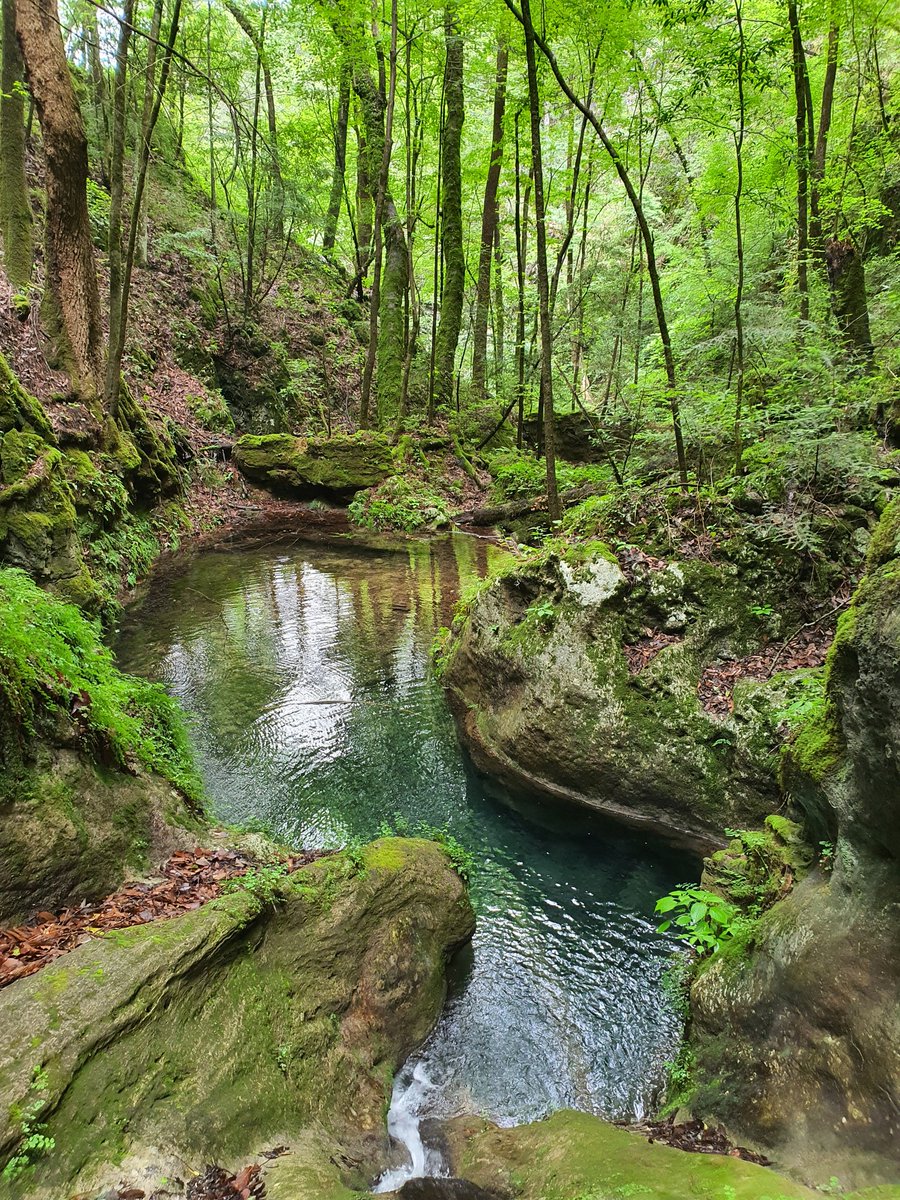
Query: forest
{"type": "Point", "coordinates": [676, 223]}
{"type": "Point", "coordinates": [449, 599]}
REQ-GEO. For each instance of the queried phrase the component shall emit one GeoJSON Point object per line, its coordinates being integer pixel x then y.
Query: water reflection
{"type": "Point", "coordinates": [306, 674]}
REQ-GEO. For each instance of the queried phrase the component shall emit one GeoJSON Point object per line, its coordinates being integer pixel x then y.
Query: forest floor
{"type": "Point", "coordinates": [186, 881]}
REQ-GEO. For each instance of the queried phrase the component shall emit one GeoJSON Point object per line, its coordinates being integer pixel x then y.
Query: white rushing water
{"type": "Point", "coordinates": [408, 1099]}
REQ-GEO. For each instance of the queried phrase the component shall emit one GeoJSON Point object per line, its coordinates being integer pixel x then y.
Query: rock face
{"type": "Point", "coordinates": [264, 1018]}
{"type": "Point", "coordinates": [544, 694]}
{"type": "Point", "coordinates": [798, 1042]}
{"type": "Point", "coordinates": [66, 484]}
{"type": "Point", "coordinates": [337, 466]}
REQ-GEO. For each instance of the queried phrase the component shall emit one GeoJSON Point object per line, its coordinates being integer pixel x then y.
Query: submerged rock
{"type": "Point", "coordinates": [570, 680]}
{"type": "Point", "coordinates": [797, 1041]}
{"type": "Point", "coordinates": [269, 1016]}
{"type": "Point", "coordinates": [338, 466]}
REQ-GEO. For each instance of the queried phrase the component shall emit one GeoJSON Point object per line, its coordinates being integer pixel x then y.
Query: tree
{"type": "Point", "coordinates": [489, 225]}
{"type": "Point", "coordinates": [15, 209]}
{"type": "Point", "coordinates": [543, 275]}
{"type": "Point", "coordinates": [71, 309]}
{"type": "Point", "coordinates": [453, 291]}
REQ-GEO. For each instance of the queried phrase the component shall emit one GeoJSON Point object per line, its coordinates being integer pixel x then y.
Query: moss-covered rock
{"type": "Point", "coordinates": [797, 1043]}
{"type": "Point", "coordinates": [338, 466]}
{"type": "Point", "coordinates": [573, 1156]}
{"type": "Point", "coordinates": [95, 771]}
{"type": "Point", "coordinates": [541, 684]}
{"type": "Point", "coordinates": [237, 1027]}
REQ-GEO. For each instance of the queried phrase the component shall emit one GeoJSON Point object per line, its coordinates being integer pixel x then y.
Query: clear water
{"type": "Point", "coordinates": [305, 671]}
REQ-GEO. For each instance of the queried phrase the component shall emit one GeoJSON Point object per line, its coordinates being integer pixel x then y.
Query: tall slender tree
{"type": "Point", "coordinates": [15, 209]}
{"type": "Point", "coordinates": [543, 275]}
{"type": "Point", "coordinates": [489, 224]}
{"type": "Point", "coordinates": [453, 292]}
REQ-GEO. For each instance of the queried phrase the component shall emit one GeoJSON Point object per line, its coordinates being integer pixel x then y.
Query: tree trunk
{"type": "Point", "coordinates": [329, 234]}
{"type": "Point", "coordinates": [71, 296]}
{"type": "Point", "coordinates": [847, 280]}
{"type": "Point", "coordinates": [15, 209]}
{"type": "Point", "coordinates": [389, 295]}
{"type": "Point", "coordinates": [257, 38]}
{"type": "Point", "coordinates": [554, 511]}
{"type": "Point", "coordinates": [98, 87]}
{"type": "Point", "coordinates": [803, 152]}
{"type": "Point", "coordinates": [117, 346]}
{"type": "Point", "coordinates": [739, 238]}
{"type": "Point", "coordinates": [489, 226]}
{"type": "Point", "coordinates": [821, 151]}
{"type": "Point", "coordinates": [646, 237]}
{"type": "Point", "coordinates": [117, 189]}
{"type": "Point", "coordinates": [453, 292]}
{"type": "Point", "coordinates": [149, 86]}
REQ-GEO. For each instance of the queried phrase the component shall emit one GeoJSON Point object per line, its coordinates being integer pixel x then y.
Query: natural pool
{"type": "Point", "coordinates": [305, 669]}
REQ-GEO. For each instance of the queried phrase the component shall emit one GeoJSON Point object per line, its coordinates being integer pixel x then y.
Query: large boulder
{"type": "Point", "coordinates": [797, 1042]}
{"type": "Point", "coordinates": [336, 466]}
{"type": "Point", "coordinates": [569, 679]}
{"type": "Point", "coordinates": [275, 1014]}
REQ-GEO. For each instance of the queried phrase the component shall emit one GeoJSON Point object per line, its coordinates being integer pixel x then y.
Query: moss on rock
{"type": "Point", "coordinates": [797, 1044]}
{"type": "Point", "coordinates": [238, 1025]}
{"type": "Point", "coordinates": [573, 1156]}
{"type": "Point", "coordinates": [542, 689]}
{"type": "Point", "coordinates": [94, 764]}
{"type": "Point", "coordinates": [339, 465]}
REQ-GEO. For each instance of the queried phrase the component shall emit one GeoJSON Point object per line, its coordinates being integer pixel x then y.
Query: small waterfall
{"type": "Point", "coordinates": [411, 1088]}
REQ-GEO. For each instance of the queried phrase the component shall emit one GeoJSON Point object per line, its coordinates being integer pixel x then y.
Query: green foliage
{"type": "Point", "coordinates": [701, 918]}
{"type": "Point", "coordinates": [262, 882]}
{"type": "Point", "coordinates": [680, 1072]}
{"type": "Point", "coordinates": [403, 503]}
{"type": "Point", "coordinates": [98, 213]}
{"type": "Point", "coordinates": [34, 1142]}
{"type": "Point", "coordinates": [211, 411]}
{"type": "Point", "coordinates": [805, 697]}
{"type": "Point", "coordinates": [676, 983]}
{"type": "Point", "coordinates": [52, 660]}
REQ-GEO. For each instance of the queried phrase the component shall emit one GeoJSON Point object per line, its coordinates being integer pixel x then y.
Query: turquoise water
{"type": "Point", "coordinates": [305, 670]}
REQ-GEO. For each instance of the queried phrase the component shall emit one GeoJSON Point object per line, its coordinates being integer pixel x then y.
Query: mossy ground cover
{"type": "Point", "coordinates": [52, 661]}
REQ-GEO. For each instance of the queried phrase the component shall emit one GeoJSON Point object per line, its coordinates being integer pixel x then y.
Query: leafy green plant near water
{"type": "Point", "coordinates": [262, 882]}
{"type": "Point", "coordinates": [701, 918]}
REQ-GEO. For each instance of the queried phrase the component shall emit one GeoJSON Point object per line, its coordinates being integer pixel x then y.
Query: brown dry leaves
{"type": "Point", "coordinates": [189, 880]}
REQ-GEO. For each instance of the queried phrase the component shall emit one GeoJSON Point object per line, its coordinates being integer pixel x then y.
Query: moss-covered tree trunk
{"type": "Point", "coordinates": [489, 228]}
{"type": "Point", "coordinates": [453, 292]}
{"type": "Point", "coordinates": [71, 296]}
{"type": "Point", "coordinates": [543, 276]}
{"type": "Point", "coordinates": [849, 301]}
{"type": "Point", "coordinates": [15, 210]}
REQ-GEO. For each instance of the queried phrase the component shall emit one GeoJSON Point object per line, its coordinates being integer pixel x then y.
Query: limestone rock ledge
{"type": "Point", "coordinates": [797, 1041]}
{"type": "Point", "coordinates": [241, 1026]}
{"type": "Point", "coordinates": [539, 679]}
